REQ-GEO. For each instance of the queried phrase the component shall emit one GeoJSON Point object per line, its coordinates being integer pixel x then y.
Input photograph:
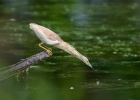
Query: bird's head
{"type": "Point", "coordinates": [85, 60]}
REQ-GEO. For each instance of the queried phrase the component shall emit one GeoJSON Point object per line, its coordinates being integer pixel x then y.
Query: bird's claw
{"type": "Point", "coordinates": [48, 50]}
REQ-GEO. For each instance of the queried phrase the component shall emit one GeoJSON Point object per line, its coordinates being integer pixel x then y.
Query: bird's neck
{"type": "Point", "coordinates": [70, 49]}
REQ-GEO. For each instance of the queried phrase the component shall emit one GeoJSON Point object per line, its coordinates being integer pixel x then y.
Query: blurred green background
{"type": "Point", "coordinates": [105, 31]}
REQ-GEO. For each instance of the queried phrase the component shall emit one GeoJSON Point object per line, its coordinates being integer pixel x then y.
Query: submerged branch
{"type": "Point", "coordinates": [22, 65]}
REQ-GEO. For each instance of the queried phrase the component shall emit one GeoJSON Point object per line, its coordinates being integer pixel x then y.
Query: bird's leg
{"type": "Point", "coordinates": [48, 50]}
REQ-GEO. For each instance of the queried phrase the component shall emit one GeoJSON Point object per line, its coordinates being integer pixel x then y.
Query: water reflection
{"type": "Point", "coordinates": [79, 17]}
{"type": "Point", "coordinates": [96, 2]}
{"type": "Point", "coordinates": [16, 9]}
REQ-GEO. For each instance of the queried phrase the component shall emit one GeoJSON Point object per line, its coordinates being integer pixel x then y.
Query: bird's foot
{"type": "Point", "coordinates": [48, 50]}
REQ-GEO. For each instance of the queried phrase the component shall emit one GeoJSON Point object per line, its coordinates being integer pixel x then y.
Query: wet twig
{"type": "Point", "coordinates": [22, 65]}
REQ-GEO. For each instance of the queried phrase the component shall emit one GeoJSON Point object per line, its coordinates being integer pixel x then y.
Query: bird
{"type": "Point", "coordinates": [51, 38]}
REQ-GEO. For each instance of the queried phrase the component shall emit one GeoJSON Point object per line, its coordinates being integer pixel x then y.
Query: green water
{"type": "Point", "coordinates": [107, 33]}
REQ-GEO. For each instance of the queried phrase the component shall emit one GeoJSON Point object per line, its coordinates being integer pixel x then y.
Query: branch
{"type": "Point", "coordinates": [22, 65]}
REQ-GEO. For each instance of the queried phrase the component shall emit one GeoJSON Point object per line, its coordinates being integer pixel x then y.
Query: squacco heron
{"type": "Point", "coordinates": [49, 37]}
